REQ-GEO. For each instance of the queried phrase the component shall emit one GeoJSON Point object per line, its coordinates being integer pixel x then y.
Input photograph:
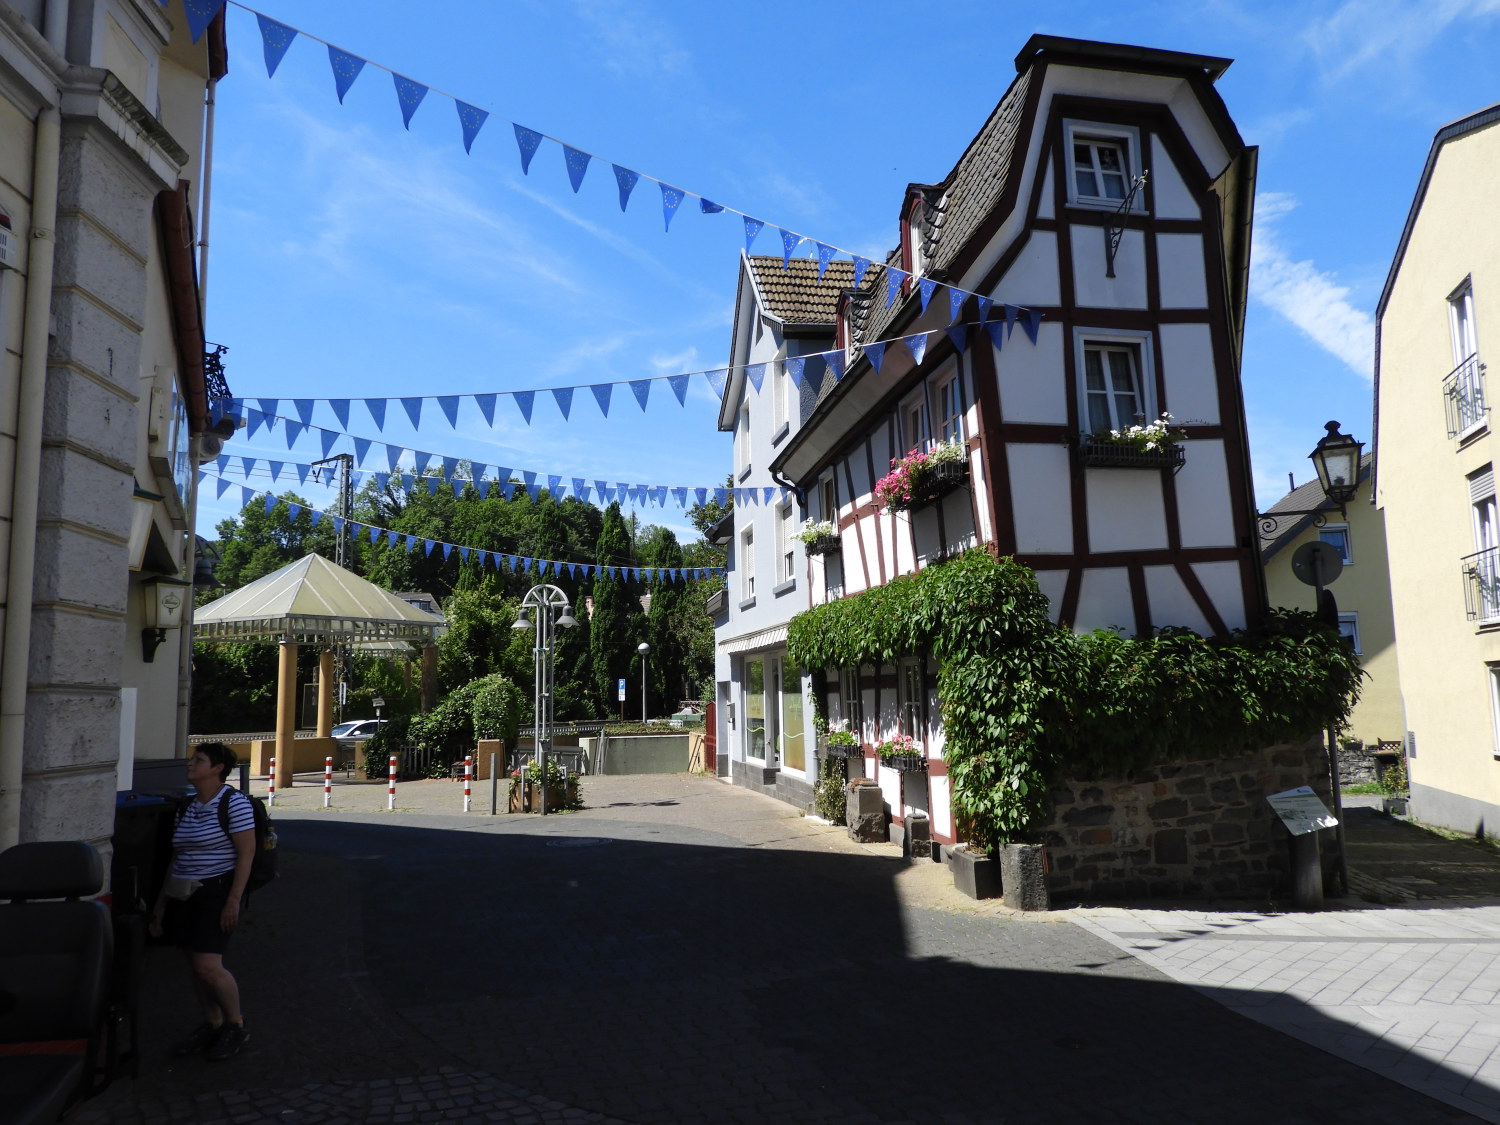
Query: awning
{"type": "Point", "coordinates": [749, 642]}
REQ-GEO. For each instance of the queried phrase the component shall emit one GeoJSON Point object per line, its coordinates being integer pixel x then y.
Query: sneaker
{"type": "Point", "coordinates": [232, 1036]}
{"type": "Point", "coordinates": [201, 1039]}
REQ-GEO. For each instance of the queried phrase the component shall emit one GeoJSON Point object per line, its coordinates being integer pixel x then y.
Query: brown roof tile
{"type": "Point", "coordinates": [796, 294]}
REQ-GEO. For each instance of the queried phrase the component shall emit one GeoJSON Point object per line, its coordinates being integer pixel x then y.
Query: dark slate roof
{"type": "Point", "coordinates": [1303, 498]}
{"type": "Point", "coordinates": [796, 294]}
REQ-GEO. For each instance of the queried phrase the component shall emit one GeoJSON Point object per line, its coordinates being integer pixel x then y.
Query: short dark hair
{"type": "Point", "coordinates": [219, 754]}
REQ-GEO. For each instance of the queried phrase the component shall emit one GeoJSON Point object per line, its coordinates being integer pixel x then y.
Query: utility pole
{"type": "Point", "coordinates": [343, 551]}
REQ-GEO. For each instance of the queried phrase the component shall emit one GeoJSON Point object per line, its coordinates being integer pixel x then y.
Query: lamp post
{"type": "Point", "coordinates": [1336, 458]}
{"type": "Point", "coordinates": [643, 648]}
{"type": "Point", "coordinates": [544, 602]}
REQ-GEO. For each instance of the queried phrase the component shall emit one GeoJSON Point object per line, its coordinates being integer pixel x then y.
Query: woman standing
{"type": "Point", "coordinates": [199, 904]}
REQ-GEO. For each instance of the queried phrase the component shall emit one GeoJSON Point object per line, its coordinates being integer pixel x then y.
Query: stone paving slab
{"type": "Point", "coordinates": [684, 951]}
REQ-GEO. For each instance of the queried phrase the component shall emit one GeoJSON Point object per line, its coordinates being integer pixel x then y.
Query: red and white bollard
{"type": "Point", "coordinates": [327, 782]}
{"type": "Point", "coordinates": [271, 784]}
{"type": "Point", "coordinates": [468, 775]}
{"type": "Point", "coordinates": [390, 793]}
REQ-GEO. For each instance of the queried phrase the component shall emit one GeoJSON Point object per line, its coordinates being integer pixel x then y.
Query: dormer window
{"type": "Point", "coordinates": [1103, 161]}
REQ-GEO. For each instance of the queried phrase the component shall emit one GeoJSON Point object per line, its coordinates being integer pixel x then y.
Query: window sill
{"type": "Point", "coordinates": [1104, 205]}
{"type": "Point", "coordinates": [745, 472]}
{"type": "Point", "coordinates": [780, 435]}
{"type": "Point", "coordinates": [789, 584]}
{"type": "Point", "coordinates": [748, 603]}
{"type": "Point", "coordinates": [1473, 433]}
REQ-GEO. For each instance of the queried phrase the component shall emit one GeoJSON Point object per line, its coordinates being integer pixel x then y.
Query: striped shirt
{"type": "Point", "coordinates": [200, 849]}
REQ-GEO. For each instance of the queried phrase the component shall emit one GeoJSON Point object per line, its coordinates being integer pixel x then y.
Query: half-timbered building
{"type": "Point", "coordinates": [1090, 252]}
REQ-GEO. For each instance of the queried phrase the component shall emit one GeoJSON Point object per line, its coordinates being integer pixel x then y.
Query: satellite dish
{"type": "Point", "coordinates": [1317, 564]}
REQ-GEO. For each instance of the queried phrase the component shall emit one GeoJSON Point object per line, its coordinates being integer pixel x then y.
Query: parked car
{"type": "Point", "coordinates": [358, 729]}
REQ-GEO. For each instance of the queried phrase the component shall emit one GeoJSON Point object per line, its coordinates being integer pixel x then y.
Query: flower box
{"type": "Point", "coordinates": [1101, 453]}
{"type": "Point", "coordinates": [935, 482]}
{"type": "Point", "coordinates": [836, 750]}
{"type": "Point", "coordinates": [974, 873]}
{"type": "Point", "coordinates": [906, 763]}
{"type": "Point", "coordinates": [824, 545]}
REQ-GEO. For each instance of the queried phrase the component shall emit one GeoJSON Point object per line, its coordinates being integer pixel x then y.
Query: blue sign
{"type": "Point", "coordinates": [621, 684]}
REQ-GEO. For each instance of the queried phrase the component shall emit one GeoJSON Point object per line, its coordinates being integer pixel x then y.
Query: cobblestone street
{"type": "Point", "coordinates": [684, 951]}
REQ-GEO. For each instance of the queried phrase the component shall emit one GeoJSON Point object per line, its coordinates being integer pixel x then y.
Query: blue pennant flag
{"type": "Point", "coordinates": [918, 346]}
{"type": "Point", "coordinates": [701, 494]}
{"type": "Point", "coordinates": [553, 484]}
{"type": "Point", "coordinates": [421, 460]}
{"type": "Point", "coordinates": [464, 553]}
{"type": "Point", "coordinates": [374, 534]}
{"type": "Point", "coordinates": [340, 410]}
{"type": "Point", "coordinates": [716, 381]}
{"type": "Point", "coordinates": [627, 181]}
{"type": "Point", "coordinates": [246, 495]}
{"type": "Point", "coordinates": [670, 198]}
{"type": "Point", "coordinates": [346, 68]}
{"type": "Point", "coordinates": [471, 118]}
{"type": "Point", "coordinates": [876, 353]}
{"type": "Point", "coordinates": [509, 488]}
{"type": "Point", "coordinates": [794, 365]}
{"type": "Point", "coordinates": [302, 474]}
{"type": "Point", "coordinates": [894, 279]}
{"type": "Point", "coordinates": [484, 488]}
{"type": "Point", "coordinates": [767, 494]}
{"type": "Point", "coordinates": [304, 408]}
{"type": "Point", "coordinates": [393, 456]}
{"type": "Point", "coordinates": [721, 496]}
{"type": "Point", "coordinates": [276, 467]}
{"type": "Point", "coordinates": [860, 265]}
{"type": "Point", "coordinates": [1032, 323]}
{"type": "Point", "coordinates": [376, 407]}
{"type": "Point", "coordinates": [433, 484]}
{"type": "Point", "coordinates": [959, 335]}
{"type": "Point", "coordinates": [563, 396]}
{"type": "Point", "coordinates": [410, 95]}
{"type": "Point", "coordinates": [270, 503]}
{"type": "Point", "coordinates": [317, 517]}
{"type": "Point", "coordinates": [790, 240]}
{"type": "Point", "coordinates": [708, 206]}
{"type": "Point", "coordinates": [825, 255]}
{"type": "Point", "coordinates": [835, 361]}
{"type": "Point", "coordinates": [523, 400]}
{"type": "Point", "coordinates": [752, 228]}
{"type": "Point", "coordinates": [390, 538]}
{"type": "Point", "coordinates": [221, 462]}
{"type": "Point", "coordinates": [448, 404]}
{"type": "Point", "coordinates": [1010, 318]}
{"type": "Point", "coordinates": [679, 385]}
{"type": "Point", "coordinates": [200, 13]}
{"type": "Point", "coordinates": [221, 485]}
{"type": "Point", "coordinates": [486, 404]}
{"type": "Point", "coordinates": [680, 495]}
{"type": "Point", "coordinates": [528, 477]}
{"type": "Point", "coordinates": [606, 494]}
{"type": "Point", "coordinates": [361, 448]}
{"type": "Point", "coordinates": [985, 304]}
{"type": "Point", "coordinates": [248, 464]}
{"type": "Point", "coordinates": [476, 470]}
{"type": "Point", "coordinates": [269, 406]}
{"type": "Point", "coordinates": [642, 389]}
{"type": "Point", "coordinates": [997, 333]}
{"type": "Point", "coordinates": [578, 163]}
{"type": "Point", "coordinates": [955, 303]}
{"type": "Point", "coordinates": [925, 286]}
{"type": "Point", "coordinates": [447, 550]}
{"type": "Point", "coordinates": [275, 38]}
{"type": "Point", "coordinates": [533, 490]}
{"type": "Point", "coordinates": [527, 140]}
{"type": "Point", "coordinates": [327, 438]}
{"type": "Point", "coordinates": [253, 420]}
{"type": "Point", "coordinates": [581, 488]}
{"type": "Point", "coordinates": [601, 396]}
{"type": "Point", "coordinates": [427, 546]}
{"type": "Point", "coordinates": [413, 411]}
{"type": "Point", "coordinates": [756, 372]}
{"type": "Point", "coordinates": [502, 474]}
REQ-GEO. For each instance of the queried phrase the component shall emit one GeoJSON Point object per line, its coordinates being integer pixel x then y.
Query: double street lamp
{"type": "Point", "coordinates": [643, 648]}
{"type": "Point", "coordinates": [544, 603]}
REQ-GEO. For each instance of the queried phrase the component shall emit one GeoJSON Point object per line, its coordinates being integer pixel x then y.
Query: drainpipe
{"type": "Point", "coordinates": [15, 658]}
{"type": "Point", "coordinates": [55, 25]}
{"type": "Point", "coordinates": [205, 194]}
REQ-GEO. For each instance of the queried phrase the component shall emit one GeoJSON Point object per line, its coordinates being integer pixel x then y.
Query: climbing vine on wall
{"type": "Point", "coordinates": [1024, 700]}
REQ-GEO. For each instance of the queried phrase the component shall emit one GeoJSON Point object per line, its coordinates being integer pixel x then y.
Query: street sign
{"type": "Point", "coordinates": [1317, 563]}
{"type": "Point", "coordinates": [1301, 810]}
{"type": "Point", "coordinates": [620, 686]}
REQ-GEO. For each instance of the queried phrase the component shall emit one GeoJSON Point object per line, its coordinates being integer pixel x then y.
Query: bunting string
{"type": "Point", "coordinates": [497, 560]}
{"type": "Point", "coordinates": [415, 406]}
{"type": "Point", "coordinates": [277, 39]}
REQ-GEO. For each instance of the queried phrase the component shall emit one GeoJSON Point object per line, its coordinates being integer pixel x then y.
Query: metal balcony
{"type": "Point", "coordinates": [1481, 572]}
{"type": "Point", "coordinates": [1463, 396]}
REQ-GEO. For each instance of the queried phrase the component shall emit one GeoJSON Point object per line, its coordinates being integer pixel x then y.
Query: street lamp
{"type": "Point", "coordinates": [643, 648]}
{"type": "Point", "coordinates": [544, 602]}
{"type": "Point", "coordinates": [1336, 458]}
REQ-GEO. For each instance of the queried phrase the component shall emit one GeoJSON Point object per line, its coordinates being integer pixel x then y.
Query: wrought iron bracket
{"type": "Point", "coordinates": [1114, 226]}
{"type": "Point", "coordinates": [1270, 522]}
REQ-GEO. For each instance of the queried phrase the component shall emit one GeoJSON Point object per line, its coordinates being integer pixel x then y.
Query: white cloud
{"type": "Point", "coordinates": [633, 44]}
{"type": "Point", "coordinates": [1390, 33]}
{"type": "Point", "coordinates": [1312, 300]}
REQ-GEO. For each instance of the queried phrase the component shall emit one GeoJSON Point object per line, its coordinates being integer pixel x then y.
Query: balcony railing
{"type": "Point", "coordinates": [1463, 396]}
{"type": "Point", "coordinates": [1482, 585]}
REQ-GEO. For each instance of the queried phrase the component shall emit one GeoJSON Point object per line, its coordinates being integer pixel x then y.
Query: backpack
{"type": "Point", "coordinates": [263, 866]}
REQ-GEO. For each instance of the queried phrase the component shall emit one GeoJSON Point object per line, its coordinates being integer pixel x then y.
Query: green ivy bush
{"type": "Point", "coordinates": [489, 707]}
{"type": "Point", "coordinates": [1025, 701]}
{"type": "Point", "coordinates": [829, 795]}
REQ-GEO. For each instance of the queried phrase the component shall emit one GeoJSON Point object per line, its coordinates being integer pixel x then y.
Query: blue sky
{"type": "Point", "coordinates": [351, 257]}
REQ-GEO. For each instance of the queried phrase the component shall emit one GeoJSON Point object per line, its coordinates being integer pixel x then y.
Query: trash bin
{"type": "Point", "coordinates": [143, 846]}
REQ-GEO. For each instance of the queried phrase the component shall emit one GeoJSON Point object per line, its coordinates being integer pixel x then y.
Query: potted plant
{"type": "Point", "coordinates": [901, 752]}
{"type": "Point", "coordinates": [975, 872]}
{"type": "Point", "coordinates": [922, 476]}
{"type": "Point", "coordinates": [1393, 784]}
{"type": "Point", "coordinates": [819, 537]}
{"type": "Point", "coordinates": [843, 744]}
{"type": "Point", "coordinates": [1145, 445]}
{"type": "Point", "coordinates": [526, 788]}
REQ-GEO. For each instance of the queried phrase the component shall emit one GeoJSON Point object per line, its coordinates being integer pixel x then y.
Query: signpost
{"type": "Point", "coordinates": [620, 687]}
{"type": "Point", "coordinates": [1303, 814]}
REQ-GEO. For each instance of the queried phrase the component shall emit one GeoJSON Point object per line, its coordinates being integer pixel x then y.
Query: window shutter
{"type": "Point", "coordinates": [1482, 484]}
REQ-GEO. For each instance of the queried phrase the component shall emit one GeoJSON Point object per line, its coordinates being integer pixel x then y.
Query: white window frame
{"type": "Point", "coordinates": [1140, 343]}
{"type": "Point", "coordinates": [948, 396]}
{"type": "Point", "coordinates": [1462, 332]}
{"type": "Point", "coordinates": [742, 439]}
{"type": "Point", "coordinates": [786, 553]}
{"type": "Point", "coordinates": [781, 384]}
{"type": "Point", "coordinates": [1349, 627]}
{"type": "Point", "coordinates": [1345, 543]}
{"type": "Point", "coordinates": [1125, 138]}
{"type": "Point", "coordinates": [912, 696]}
{"type": "Point", "coordinates": [852, 700]}
{"type": "Point", "coordinates": [1494, 674]}
{"type": "Point", "coordinates": [1486, 524]}
{"type": "Point", "coordinates": [828, 499]}
{"type": "Point", "coordinates": [916, 423]}
{"type": "Point", "coordinates": [747, 565]}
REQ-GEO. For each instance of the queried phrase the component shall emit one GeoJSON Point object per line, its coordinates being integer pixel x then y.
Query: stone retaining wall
{"type": "Point", "coordinates": [1181, 830]}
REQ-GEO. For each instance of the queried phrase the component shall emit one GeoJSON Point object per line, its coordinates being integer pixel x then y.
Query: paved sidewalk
{"type": "Point", "coordinates": [684, 951]}
{"type": "Point", "coordinates": [1411, 992]}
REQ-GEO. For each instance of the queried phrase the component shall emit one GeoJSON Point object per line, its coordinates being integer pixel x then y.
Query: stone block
{"type": "Point", "coordinates": [76, 805]}
{"type": "Point", "coordinates": [865, 813]}
{"type": "Point", "coordinates": [919, 836]}
{"type": "Point", "coordinates": [83, 491]}
{"type": "Point", "coordinates": [1023, 876]}
{"type": "Point", "coordinates": [1191, 786]}
{"type": "Point", "coordinates": [974, 873]}
{"type": "Point", "coordinates": [1095, 836]}
{"type": "Point", "coordinates": [1169, 845]}
{"type": "Point", "coordinates": [70, 647]}
{"type": "Point", "coordinates": [1093, 794]}
{"type": "Point", "coordinates": [92, 417]}
{"type": "Point", "coordinates": [1168, 810]}
{"type": "Point", "coordinates": [115, 191]}
{"type": "Point", "coordinates": [81, 570]}
{"type": "Point", "coordinates": [1227, 833]}
{"type": "Point", "coordinates": [1084, 817]}
{"type": "Point", "coordinates": [72, 729]}
{"type": "Point", "coordinates": [1225, 792]}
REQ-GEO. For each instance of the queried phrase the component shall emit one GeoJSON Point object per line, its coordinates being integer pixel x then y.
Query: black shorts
{"type": "Point", "coordinates": [193, 922]}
